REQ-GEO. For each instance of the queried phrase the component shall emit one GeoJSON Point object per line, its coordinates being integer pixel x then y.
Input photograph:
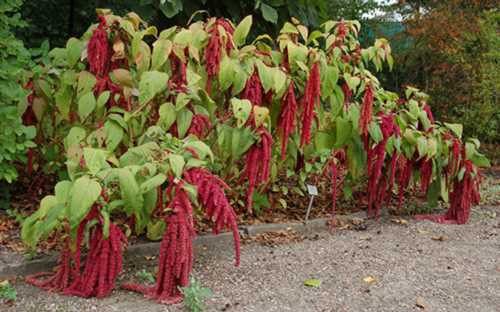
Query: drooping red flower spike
{"type": "Point", "coordinates": [336, 165]}
{"type": "Point", "coordinates": [200, 125]}
{"type": "Point", "coordinates": [65, 273]}
{"type": "Point", "coordinates": [213, 51]}
{"type": "Point", "coordinates": [176, 251]}
{"type": "Point", "coordinates": [253, 89]}
{"type": "Point", "coordinates": [366, 110]}
{"type": "Point", "coordinates": [465, 193]}
{"type": "Point", "coordinates": [377, 182]}
{"type": "Point", "coordinates": [286, 123]}
{"type": "Point", "coordinates": [218, 209]}
{"type": "Point", "coordinates": [257, 164]}
{"type": "Point", "coordinates": [178, 81]}
{"type": "Point", "coordinates": [310, 99]}
{"type": "Point", "coordinates": [99, 50]}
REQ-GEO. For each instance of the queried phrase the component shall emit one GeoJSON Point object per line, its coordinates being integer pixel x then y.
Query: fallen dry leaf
{"type": "Point", "coordinates": [369, 279]}
{"type": "Point", "coordinates": [440, 238]}
{"type": "Point", "coordinates": [367, 238]}
{"type": "Point", "coordinates": [400, 221]}
{"type": "Point", "coordinates": [420, 303]}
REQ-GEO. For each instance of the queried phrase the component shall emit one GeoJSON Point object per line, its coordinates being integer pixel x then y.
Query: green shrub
{"type": "Point", "coordinates": [14, 58]}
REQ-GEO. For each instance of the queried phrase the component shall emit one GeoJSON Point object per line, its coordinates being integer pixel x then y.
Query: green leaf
{"type": "Point", "coordinates": [86, 105]}
{"type": "Point", "coordinates": [167, 115]}
{"type": "Point", "coordinates": [202, 149]}
{"type": "Point", "coordinates": [184, 118]}
{"type": "Point", "coordinates": [152, 83]}
{"type": "Point", "coordinates": [114, 135]}
{"type": "Point", "coordinates": [155, 230]}
{"type": "Point", "coordinates": [95, 159]}
{"type": "Point", "coordinates": [422, 146]}
{"type": "Point", "coordinates": [269, 13]}
{"type": "Point", "coordinates": [312, 282]}
{"type": "Point", "coordinates": [457, 129]}
{"type": "Point", "coordinates": [83, 195]}
{"type": "Point", "coordinates": [161, 51]}
{"type": "Point", "coordinates": [343, 130]}
{"type": "Point", "coordinates": [130, 192]}
{"type": "Point", "coordinates": [103, 99]}
{"type": "Point", "coordinates": [73, 51]}
{"type": "Point", "coordinates": [153, 183]}
{"type": "Point", "coordinates": [75, 136]}
{"type": "Point", "coordinates": [375, 132]}
{"type": "Point", "coordinates": [176, 164]}
{"type": "Point", "coordinates": [241, 32]}
{"type": "Point", "coordinates": [241, 110]}
{"type": "Point", "coordinates": [266, 76]}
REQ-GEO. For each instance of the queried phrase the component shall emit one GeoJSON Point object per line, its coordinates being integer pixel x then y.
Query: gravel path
{"type": "Point", "coordinates": [442, 267]}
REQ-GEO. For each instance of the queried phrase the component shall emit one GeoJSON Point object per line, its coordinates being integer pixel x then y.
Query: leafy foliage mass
{"type": "Point", "coordinates": [15, 138]}
{"type": "Point", "coordinates": [159, 127]}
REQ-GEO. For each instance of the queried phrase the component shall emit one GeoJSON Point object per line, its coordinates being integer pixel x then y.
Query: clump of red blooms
{"type": "Point", "coordinates": [337, 166]}
{"type": "Point", "coordinates": [286, 123]}
{"type": "Point", "coordinates": [213, 51]}
{"type": "Point", "coordinates": [176, 248]}
{"type": "Point", "coordinates": [99, 56]}
{"type": "Point", "coordinates": [366, 110]}
{"type": "Point", "coordinates": [309, 100]}
{"type": "Point", "coordinates": [178, 81]}
{"type": "Point", "coordinates": [253, 89]}
{"type": "Point", "coordinates": [212, 197]}
{"type": "Point", "coordinates": [377, 182]}
{"type": "Point", "coordinates": [103, 262]}
{"type": "Point", "coordinates": [200, 124]}
{"type": "Point", "coordinates": [257, 163]}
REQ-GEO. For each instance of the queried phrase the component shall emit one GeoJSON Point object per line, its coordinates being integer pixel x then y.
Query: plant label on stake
{"type": "Point", "coordinates": [312, 190]}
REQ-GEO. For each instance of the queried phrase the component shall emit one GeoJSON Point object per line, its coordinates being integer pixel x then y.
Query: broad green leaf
{"type": "Point", "coordinates": [95, 159]}
{"type": "Point", "coordinates": [86, 105]}
{"type": "Point", "coordinates": [152, 183]}
{"type": "Point", "coordinates": [422, 146]}
{"type": "Point", "coordinates": [152, 83]}
{"type": "Point", "coordinates": [260, 114]}
{"type": "Point", "coordinates": [266, 76]}
{"type": "Point", "coordinates": [83, 195]}
{"type": "Point", "coordinates": [103, 99]}
{"type": "Point", "coordinates": [167, 115]}
{"type": "Point", "coordinates": [73, 51]}
{"type": "Point", "coordinates": [161, 52]}
{"type": "Point", "coordinates": [62, 191]}
{"type": "Point", "coordinates": [184, 118]}
{"type": "Point", "coordinates": [75, 136]}
{"type": "Point", "coordinates": [375, 132]}
{"type": "Point", "coordinates": [130, 192]}
{"type": "Point", "coordinates": [176, 164]}
{"type": "Point", "coordinates": [114, 135]}
{"type": "Point", "coordinates": [241, 110]}
{"type": "Point", "coordinates": [241, 32]}
{"type": "Point", "coordinates": [343, 130]}
{"type": "Point", "coordinates": [269, 13]}
{"type": "Point", "coordinates": [155, 230]}
{"type": "Point", "coordinates": [457, 129]}
{"type": "Point", "coordinates": [202, 149]}
{"type": "Point", "coordinates": [86, 82]}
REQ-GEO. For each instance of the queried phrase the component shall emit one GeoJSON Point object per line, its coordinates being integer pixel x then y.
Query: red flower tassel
{"type": "Point", "coordinates": [286, 123]}
{"type": "Point", "coordinates": [311, 98]}
{"type": "Point", "coordinates": [98, 50]}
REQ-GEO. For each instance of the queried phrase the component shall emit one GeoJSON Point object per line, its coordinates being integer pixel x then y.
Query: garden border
{"type": "Point", "coordinates": [138, 252]}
